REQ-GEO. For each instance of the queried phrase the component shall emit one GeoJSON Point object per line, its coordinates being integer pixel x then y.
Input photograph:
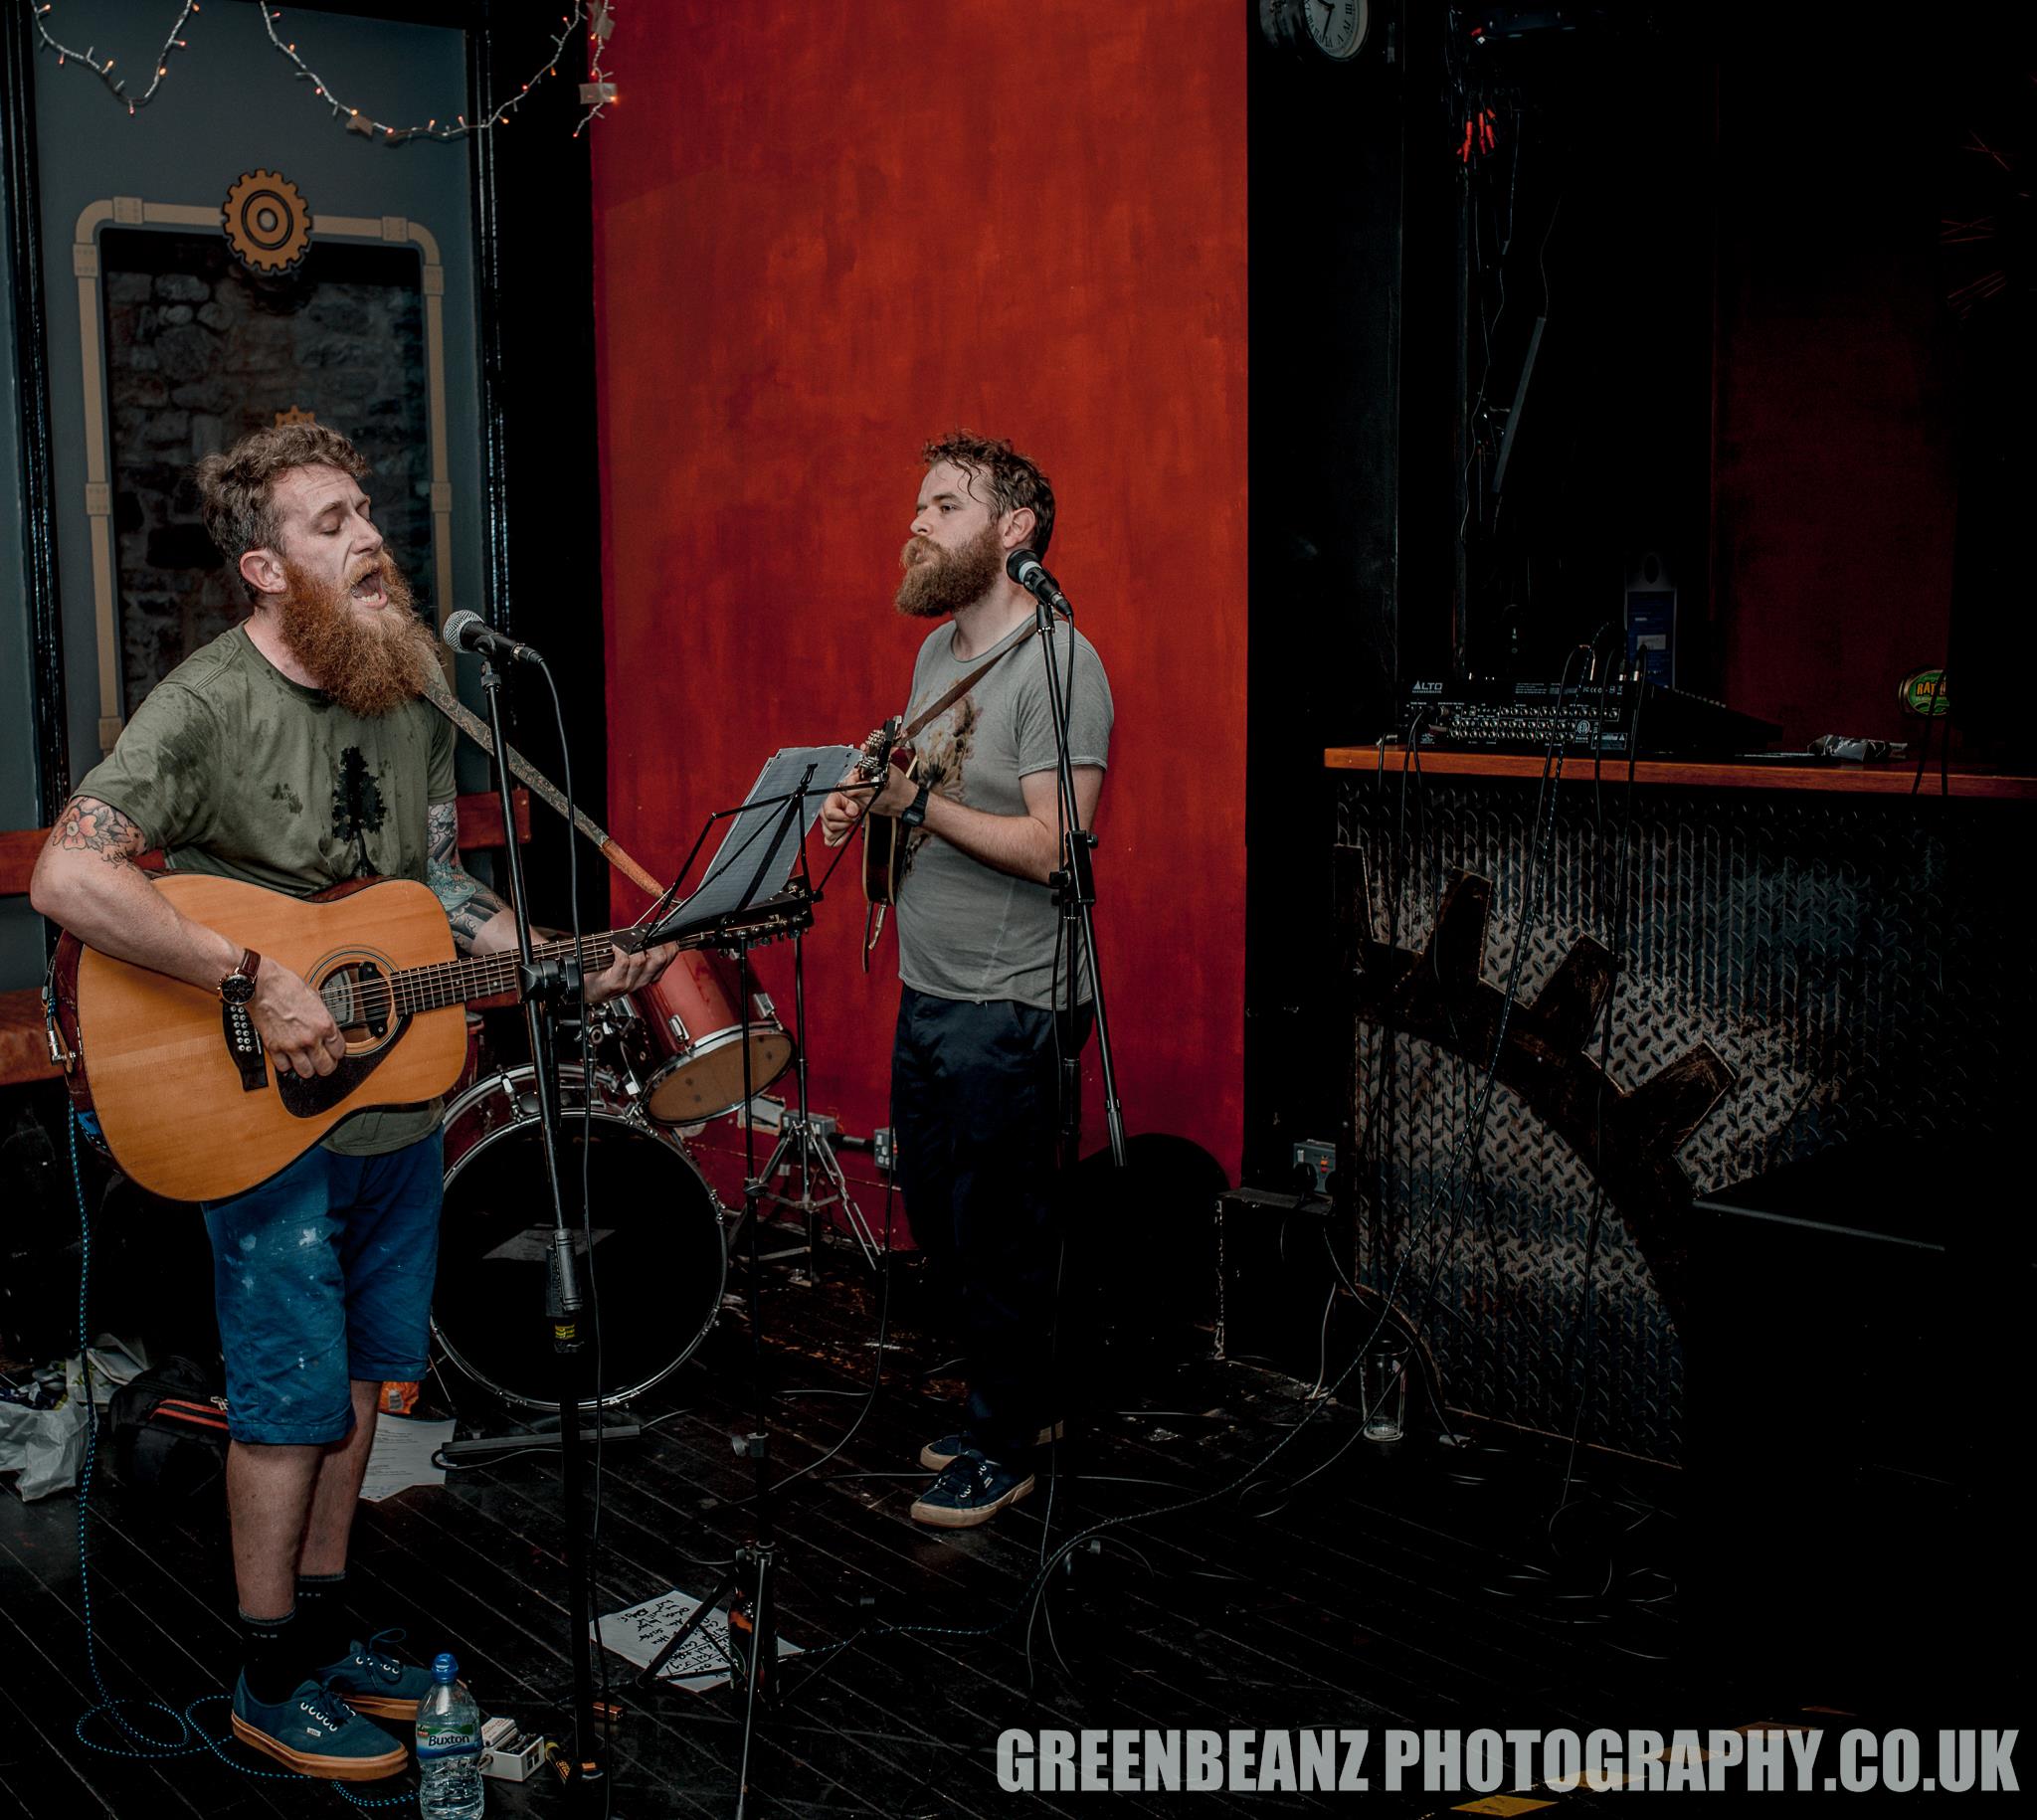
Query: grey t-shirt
{"type": "Point", "coordinates": [966, 930]}
{"type": "Point", "coordinates": [232, 769]}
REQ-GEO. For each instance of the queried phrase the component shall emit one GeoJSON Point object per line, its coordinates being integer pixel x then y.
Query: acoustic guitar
{"type": "Point", "coordinates": [884, 847]}
{"type": "Point", "coordinates": [890, 743]}
{"type": "Point", "coordinates": [186, 1099]}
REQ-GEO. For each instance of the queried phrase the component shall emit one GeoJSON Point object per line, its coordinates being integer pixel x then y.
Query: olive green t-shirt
{"type": "Point", "coordinates": [232, 769]}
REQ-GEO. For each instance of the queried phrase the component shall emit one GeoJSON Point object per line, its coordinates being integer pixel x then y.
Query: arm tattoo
{"type": "Point", "coordinates": [89, 825]}
{"type": "Point", "coordinates": [466, 901]}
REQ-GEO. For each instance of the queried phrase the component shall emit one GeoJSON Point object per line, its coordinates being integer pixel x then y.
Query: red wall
{"type": "Point", "coordinates": [1835, 483]}
{"type": "Point", "coordinates": [824, 233]}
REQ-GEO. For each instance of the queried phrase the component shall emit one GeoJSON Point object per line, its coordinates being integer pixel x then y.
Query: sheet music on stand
{"type": "Point", "coordinates": [764, 838]}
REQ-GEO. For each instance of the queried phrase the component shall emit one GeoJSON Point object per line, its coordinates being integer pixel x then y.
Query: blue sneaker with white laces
{"type": "Point", "coordinates": [373, 1681]}
{"type": "Point", "coordinates": [968, 1491]}
{"type": "Point", "coordinates": [316, 1734]}
{"type": "Point", "coordinates": [935, 1455]}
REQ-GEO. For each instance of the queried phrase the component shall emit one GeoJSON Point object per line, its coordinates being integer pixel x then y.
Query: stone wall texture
{"type": "Point", "coordinates": [199, 352]}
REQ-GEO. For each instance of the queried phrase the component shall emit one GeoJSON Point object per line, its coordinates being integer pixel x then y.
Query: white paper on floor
{"type": "Point", "coordinates": [637, 1634]}
{"type": "Point", "coordinates": [402, 1456]}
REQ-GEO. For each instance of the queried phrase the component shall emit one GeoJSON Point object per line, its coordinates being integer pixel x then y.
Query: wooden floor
{"type": "Point", "coordinates": [1332, 1582]}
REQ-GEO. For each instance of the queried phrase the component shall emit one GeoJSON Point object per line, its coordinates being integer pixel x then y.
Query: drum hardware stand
{"type": "Point", "coordinates": [544, 1432]}
{"type": "Point", "coordinates": [804, 1140]}
{"type": "Point", "coordinates": [543, 983]}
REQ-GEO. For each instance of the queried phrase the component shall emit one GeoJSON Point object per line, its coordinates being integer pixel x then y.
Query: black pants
{"type": "Point", "coordinates": [973, 1103]}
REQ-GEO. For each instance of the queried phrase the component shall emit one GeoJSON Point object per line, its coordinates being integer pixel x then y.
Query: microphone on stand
{"type": "Point", "coordinates": [1023, 567]}
{"type": "Point", "coordinates": [467, 630]}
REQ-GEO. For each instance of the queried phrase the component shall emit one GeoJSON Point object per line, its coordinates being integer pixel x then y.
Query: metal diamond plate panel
{"type": "Point", "coordinates": [1856, 965]}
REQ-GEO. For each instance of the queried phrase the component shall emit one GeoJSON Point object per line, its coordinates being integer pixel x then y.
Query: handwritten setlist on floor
{"type": "Point", "coordinates": [637, 1634]}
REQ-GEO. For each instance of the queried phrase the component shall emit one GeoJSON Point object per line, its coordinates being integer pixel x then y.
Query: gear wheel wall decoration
{"type": "Point", "coordinates": [267, 221]}
{"type": "Point", "coordinates": [1441, 996]}
{"type": "Point", "coordinates": [295, 416]}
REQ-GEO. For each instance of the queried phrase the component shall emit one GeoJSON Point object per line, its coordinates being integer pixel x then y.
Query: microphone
{"type": "Point", "coordinates": [467, 631]}
{"type": "Point", "coordinates": [1023, 567]}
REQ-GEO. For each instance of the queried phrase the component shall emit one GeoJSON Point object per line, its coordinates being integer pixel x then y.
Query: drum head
{"type": "Point", "coordinates": [658, 1262]}
{"type": "Point", "coordinates": [707, 1080]}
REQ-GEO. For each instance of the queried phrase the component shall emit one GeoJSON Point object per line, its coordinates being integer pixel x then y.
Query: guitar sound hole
{"type": "Point", "coordinates": [357, 994]}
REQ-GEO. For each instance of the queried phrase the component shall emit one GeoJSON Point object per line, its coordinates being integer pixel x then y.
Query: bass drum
{"type": "Point", "coordinates": [658, 1260]}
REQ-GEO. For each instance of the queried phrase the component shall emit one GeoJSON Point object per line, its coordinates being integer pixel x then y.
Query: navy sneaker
{"type": "Point", "coordinates": [936, 1455]}
{"type": "Point", "coordinates": [316, 1736]}
{"type": "Point", "coordinates": [372, 1680]}
{"type": "Point", "coordinates": [968, 1491]}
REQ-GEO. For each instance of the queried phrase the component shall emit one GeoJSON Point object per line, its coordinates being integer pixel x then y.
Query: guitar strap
{"type": "Point", "coordinates": [477, 730]}
{"type": "Point", "coordinates": [967, 684]}
{"type": "Point", "coordinates": [873, 915]}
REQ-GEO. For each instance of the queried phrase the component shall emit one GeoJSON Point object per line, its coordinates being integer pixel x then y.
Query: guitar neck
{"type": "Point", "coordinates": [486, 976]}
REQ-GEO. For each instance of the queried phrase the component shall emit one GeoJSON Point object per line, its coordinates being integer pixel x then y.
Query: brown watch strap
{"type": "Point", "coordinates": [251, 962]}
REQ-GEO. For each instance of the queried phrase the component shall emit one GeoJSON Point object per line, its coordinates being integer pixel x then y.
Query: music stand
{"type": "Point", "coordinates": [752, 872]}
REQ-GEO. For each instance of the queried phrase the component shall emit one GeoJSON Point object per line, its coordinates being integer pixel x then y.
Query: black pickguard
{"type": "Point", "coordinates": [306, 1099]}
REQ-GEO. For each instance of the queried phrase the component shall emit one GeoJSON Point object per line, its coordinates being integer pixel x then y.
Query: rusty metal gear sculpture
{"type": "Point", "coordinates": [267, 221]}
{"type": "Point", "coordinates": [1441, 996]}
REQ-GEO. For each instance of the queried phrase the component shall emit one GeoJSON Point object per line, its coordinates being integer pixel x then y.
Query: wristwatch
{"type": "Point", "coordinates": [915, 811]}
{"type": "Point", "coordinates": [238, 988]}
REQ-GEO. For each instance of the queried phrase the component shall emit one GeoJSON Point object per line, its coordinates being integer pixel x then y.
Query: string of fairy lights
{"type": "Point", "coordinates": [596, 93]}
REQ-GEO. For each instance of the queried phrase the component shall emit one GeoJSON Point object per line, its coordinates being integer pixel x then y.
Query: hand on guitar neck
{"type": "Point", "coordinates": [855, 797]}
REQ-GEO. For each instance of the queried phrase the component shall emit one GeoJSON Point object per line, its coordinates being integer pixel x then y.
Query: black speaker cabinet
{"type": "Point", "coordinates": [1854, 1386]}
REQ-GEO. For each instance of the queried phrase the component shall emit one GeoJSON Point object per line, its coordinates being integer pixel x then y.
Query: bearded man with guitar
{"type": "Point", "coordinates": [294, 753]}
{"type": "Point", "coordinates": [975, 1070]}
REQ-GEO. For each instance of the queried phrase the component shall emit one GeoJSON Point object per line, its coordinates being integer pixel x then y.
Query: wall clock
{"type": "Point", "coordinates": [1334, 30]}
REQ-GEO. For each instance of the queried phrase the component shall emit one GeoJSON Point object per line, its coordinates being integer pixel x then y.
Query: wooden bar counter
{"type": "Point", "coordinates": [1787, 771]}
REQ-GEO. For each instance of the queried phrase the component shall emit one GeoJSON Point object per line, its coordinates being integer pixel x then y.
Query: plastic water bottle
{"type": "Point", "coordinates": [449, 1748]}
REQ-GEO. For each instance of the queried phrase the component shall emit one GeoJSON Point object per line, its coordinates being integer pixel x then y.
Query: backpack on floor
{"type": "Point", "coordinates": [166, 1430]}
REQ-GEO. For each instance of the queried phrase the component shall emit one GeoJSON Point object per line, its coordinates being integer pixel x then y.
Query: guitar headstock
{"type": "Point", "coordinates": [876, 750]}
{"type": "Point", "coordinates": [771, 919]}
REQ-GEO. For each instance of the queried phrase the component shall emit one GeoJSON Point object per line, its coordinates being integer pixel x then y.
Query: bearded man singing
{"type": "Point", "coordinates": [982, 1024]}
{"type": "Point", "coordinates": [294, 752]}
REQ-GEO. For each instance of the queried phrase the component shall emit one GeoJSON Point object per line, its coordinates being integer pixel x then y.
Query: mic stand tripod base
{"type": "Point", "coordinates": [752, 1623]}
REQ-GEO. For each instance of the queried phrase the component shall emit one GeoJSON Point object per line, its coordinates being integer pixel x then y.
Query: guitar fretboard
{"type": "Point", "coordinates": [481, 975]}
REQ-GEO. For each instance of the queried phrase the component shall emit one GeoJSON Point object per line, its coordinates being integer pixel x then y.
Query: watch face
{"type": "Point", "coordinates": [237, 988]}
{"type": "Point", "coordinates": [1337, 26]}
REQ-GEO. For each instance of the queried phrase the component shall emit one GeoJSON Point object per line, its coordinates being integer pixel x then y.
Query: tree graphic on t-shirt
{"type": "Point", "coordinates": [357, 809]}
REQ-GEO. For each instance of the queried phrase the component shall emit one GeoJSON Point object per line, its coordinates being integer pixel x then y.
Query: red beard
{"type": "Point", "coordinates": [941, 583]}
{"type": "Point", "coordinates": [370, 666]}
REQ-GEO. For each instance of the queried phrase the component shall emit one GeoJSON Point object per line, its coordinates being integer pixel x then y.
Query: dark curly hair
{"type": "Point", "coordinates": [1014, 482]}
{"type": "Point", "coordinates": [235, 489]}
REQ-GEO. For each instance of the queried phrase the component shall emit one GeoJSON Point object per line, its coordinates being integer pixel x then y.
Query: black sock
{"type": "Point", "coordinates": [271, 1657]}
{"type": "Point", "coordinates": [322, 1619]}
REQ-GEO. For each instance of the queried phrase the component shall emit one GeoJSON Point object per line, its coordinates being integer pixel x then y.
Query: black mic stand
{"type": "Point", "coordinates": [543, 982]}
{"type": "Point", "coordinates": [1075, 892]}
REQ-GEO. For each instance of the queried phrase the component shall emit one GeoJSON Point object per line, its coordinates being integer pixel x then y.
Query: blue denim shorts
{"type": "Point", "coordinates": [321, 1275]}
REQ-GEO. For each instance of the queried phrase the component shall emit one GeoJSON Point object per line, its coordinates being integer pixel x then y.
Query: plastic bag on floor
{"type": "Point", "coordinates": [43, 1450]}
